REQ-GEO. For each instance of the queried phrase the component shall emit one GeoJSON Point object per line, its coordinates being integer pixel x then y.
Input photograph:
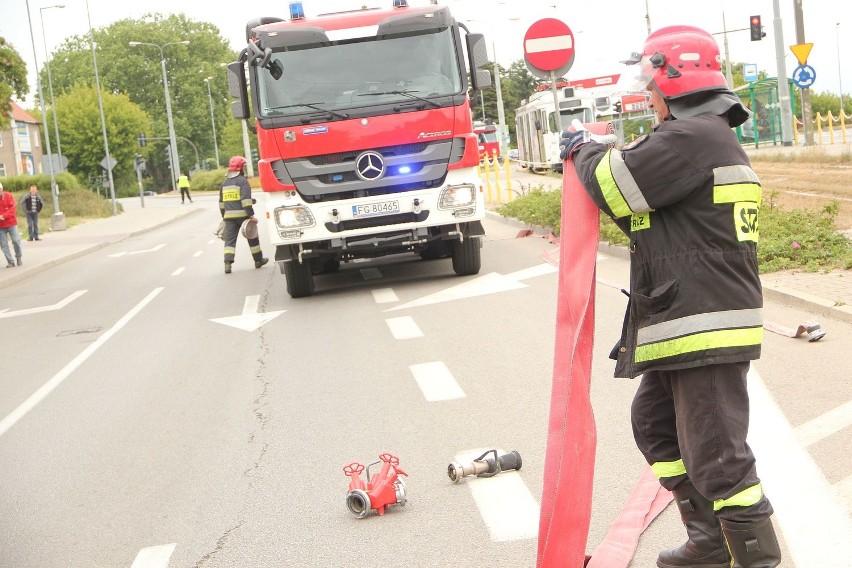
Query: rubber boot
{"type": "Point", "coordinates": [261, 262]}
{"type": "Point", "coordinates": [705, 547]}
{"type": "Point", "coordinates": [227, 268]}
{"type": "Point", "coordinates": [753, 545]}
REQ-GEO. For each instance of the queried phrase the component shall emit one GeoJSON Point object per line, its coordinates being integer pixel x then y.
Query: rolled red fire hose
{"type": "Point", "coordinates": [566, 504]}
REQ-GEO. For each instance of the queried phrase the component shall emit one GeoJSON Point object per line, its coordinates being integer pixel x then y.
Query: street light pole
{"type": "Point", "coordinates": [839, 73]}
{"type": "Point", "coordinates": [57, 222]}
{"type": "Point", "coordinates": [108, 158]}
{"type": "Point", "coordinates": [176, 171]}
{"type": "Point", "coordinates": [212, 120]}
{"type": "Point", "coordinates": [50, 82]}
{"type": "Point", "coordinates": [501, 112]}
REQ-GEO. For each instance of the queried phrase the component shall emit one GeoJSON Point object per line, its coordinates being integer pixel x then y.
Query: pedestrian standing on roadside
{"type": "Point", "coordinates": [235, 205]}
{"type": "Point", "coordinates": [9, 228]}
{"type": "Point", "coordinates": [32, 204]}
{"type": "Point", "coordinates": [183, 185]}
{"type": "Point", "coordinates": [689, 201]}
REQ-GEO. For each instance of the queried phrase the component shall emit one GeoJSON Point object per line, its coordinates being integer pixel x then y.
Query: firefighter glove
{"type": "Point", "coordinates": [570, 142]}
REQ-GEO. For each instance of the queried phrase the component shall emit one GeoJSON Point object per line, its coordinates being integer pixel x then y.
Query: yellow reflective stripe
{"type": "Point", "coordinates": [247, 202]}
{"type": "Point", "coordinates": [235, 214]}
{"type": "Point", "coordinates": [739, 192]}
{"type": "Point", "coordinates": [699, 342]}
{"type": "Point", "coordinates": [745, 498]}
{"type": "Point", "coordinates": [617, 204]}
{"type": "Point", "coordinates": [668, 469]}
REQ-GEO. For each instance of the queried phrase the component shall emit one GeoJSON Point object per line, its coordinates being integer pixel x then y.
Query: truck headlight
{"type": "Point", "coordinates": [293, 216]}
{"type": "Point", "coordinates": [457, 196]}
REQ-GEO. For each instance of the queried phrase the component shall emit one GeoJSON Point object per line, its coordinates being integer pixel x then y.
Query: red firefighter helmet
{"type": "Point", "coordinates": [679, 60]}
{"type": "Point", "coordinates": [236, 164]}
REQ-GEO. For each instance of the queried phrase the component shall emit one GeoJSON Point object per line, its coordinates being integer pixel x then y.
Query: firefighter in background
{"type": "Point", "coordinates": [688, 199]}
{"type": "Point", "coordinates": [183, 185]}
{"type": "Point", "coordinates": [235, 205]}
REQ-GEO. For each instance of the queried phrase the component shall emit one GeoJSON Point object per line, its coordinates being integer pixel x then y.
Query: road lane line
{"type": "Point", "coordinates": [154, 556]}
{"type": "Point", "coordinates": [371, 273]}
{"type": "Point", "coordinates": [384, 296]}
{"type": "Point", "coordinates": [844, 490]}
{"type": "Point", "coordinates": [404, 328]}
{"type": "Point", "coordinates": [179, 271]}
{"type": "Point", "coordinates": [504, 501]}
{"type": "Point", "coordinates": [806, 506]}
{"type": "Point", "coordinates": [823, 426]}
{"type": "Point", "coordinates": [66, 371]}
{"type": "Point", "coordinates": [436, 381]}
{"type": "Point", "coordinates": [198, 253]}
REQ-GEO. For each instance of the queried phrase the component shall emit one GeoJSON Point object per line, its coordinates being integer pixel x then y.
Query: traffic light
{"type": "Point", "coordinates": [617, 106]}
{"type": "Point", "coordinates": [143, 140]}
{"type": "Point", "coordinates": [757, 32]}
{"type": "Point", "coordinates": [254, 155]}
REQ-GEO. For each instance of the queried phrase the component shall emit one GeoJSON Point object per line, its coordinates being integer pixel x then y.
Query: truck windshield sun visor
{"type": "Point", "coordinates": [410, 23]}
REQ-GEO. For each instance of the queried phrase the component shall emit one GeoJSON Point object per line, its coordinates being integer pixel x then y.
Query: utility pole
{"type": "Point", "coordinates": [806, 93]}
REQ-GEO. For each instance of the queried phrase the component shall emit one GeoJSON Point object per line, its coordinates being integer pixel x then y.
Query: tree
{"type": "Point", "coordinates": [13, 79]}
{"type": "Point", "coordinates": [79, 116]}
{"type": "Point", "coordinates": [137, 72]}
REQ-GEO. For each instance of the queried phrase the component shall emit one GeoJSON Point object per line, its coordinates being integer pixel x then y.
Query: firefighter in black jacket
{"type": "Point", "coordinates": [235, 205]}
{"type": "Point", "coordinates": [689, 200]}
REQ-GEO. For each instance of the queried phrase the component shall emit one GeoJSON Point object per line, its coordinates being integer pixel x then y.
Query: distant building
{"type": "Point", "coordinates": [20, 145]}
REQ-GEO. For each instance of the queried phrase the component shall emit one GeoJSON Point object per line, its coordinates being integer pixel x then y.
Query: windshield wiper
{"type": "Point", "coordinates": [403, 93]}
{"type": "Point", "coordinates": [315, 107]}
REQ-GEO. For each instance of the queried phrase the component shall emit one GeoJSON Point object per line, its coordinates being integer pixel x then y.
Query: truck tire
{"type": "Point", "coordinates": [300, 279]}
{"type": "Point", "coordinates": [466, 257]}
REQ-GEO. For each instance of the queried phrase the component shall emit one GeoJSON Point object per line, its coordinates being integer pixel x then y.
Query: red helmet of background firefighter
{"type": "Point", "coordinates": [689, 201]}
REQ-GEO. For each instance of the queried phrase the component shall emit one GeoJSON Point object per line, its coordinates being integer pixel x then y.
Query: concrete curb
{"type": "Point", "coordinates": [779, 294]}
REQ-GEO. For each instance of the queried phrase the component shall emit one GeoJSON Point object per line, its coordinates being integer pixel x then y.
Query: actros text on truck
{"type": "Point", "coordinates": [365, 136]}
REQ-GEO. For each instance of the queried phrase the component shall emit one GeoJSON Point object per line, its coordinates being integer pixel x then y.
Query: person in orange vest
{"type": "Point", "coordinates": [183, 185]}
{"type": "Point", "coordinates": [687, 197]}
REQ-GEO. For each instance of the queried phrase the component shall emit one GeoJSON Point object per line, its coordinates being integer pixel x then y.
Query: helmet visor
{"type": "Point", "coordinates": [638, 72]}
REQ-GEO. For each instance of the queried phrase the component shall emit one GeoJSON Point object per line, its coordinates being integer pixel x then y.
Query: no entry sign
{"type": "Point", "coordinates": [549, 46]}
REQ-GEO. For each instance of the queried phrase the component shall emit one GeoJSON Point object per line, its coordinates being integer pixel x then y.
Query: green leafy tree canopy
{"type": "Point", "coordinates": [13, 79]}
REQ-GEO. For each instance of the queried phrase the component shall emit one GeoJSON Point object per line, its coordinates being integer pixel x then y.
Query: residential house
{"type": "Point", "coordinates": [20, 145]}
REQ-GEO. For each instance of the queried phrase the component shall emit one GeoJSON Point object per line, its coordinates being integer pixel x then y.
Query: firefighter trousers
{"type": "Point", "coordinates": [232, 231]}
{"type": "Point", "coordinates": [692, 423]}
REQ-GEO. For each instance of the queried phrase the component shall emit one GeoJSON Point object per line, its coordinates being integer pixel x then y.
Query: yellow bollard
{"type": "Point", "coordinates": [488, 179]}
{"type": "Point", "coordinates": [506, 162]}
{"type": "Point", "coordinates": [496, 169]}
{"type": "Point", "coordinates": [843, 126]}
{"type": "Point", "coordinates": [830, 123]}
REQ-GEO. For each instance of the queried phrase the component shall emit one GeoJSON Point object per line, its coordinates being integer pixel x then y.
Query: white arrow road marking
{"type": "Point", "coordinates": [154, 556]}
{"type": "Point", "coordinates": [66, 371]}
{"type": "Point", "coordinates": [384, 296]}
{"type": "Point", "coordinates": [117, 254]}
{"type": "Point", "coordinates": [487, 284]}
{"type": "Point", "coordinates": [250, 320]}
{"type": "Point", "coordinates": [57, 306]}
{"type": "Point", "coordinates": [155, 249]}
{"type": "Point", "coordinates": [211, 241]}
{"type": "Point", "coordinates": [823, 426]}
{"type": "Point", "coordinates": [436, 381]}
{"type": "Point", "coordinates": [505, 503]}
{"type": "Point", "coordinates": [178, 271]}
{"type": "Point", "coordinates": [404, 328]}
{"type": "Point", "coordinates": [806, 506]}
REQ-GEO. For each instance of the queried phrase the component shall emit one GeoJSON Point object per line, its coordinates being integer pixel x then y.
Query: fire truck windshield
{"type": "Point", "coordinates": [361, 74]}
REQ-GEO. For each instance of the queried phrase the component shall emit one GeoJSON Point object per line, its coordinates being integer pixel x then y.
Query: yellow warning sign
{"type": "Point", "coordinates": [801, 52]}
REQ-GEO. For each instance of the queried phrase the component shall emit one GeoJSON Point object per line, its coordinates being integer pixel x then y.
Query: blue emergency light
{"type": "Point", "coordinates": [297, 11]}
{"type": "Point", "coordinates": [400, 3]}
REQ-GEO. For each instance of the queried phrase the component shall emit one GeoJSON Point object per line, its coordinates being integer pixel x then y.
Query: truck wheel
{"type": "Point", "coordinates": [300, 279]}
{"type": "Point", "coordinates": [466, 257]}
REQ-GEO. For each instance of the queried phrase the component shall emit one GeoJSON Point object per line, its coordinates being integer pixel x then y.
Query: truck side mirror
{"type": "Point", "coordinates": [238, 89]}
{"type": "Point", "coordinates": [477, 53]}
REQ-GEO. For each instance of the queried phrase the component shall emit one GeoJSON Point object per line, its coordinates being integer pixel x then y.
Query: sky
{"type": "Point", "coordinates": [602, 38]}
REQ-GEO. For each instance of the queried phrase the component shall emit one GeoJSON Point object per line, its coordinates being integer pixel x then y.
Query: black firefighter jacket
{"type": "Point", "coordinates": [689, 201]}
{"type": "Point", "coordinates": [235, 201]}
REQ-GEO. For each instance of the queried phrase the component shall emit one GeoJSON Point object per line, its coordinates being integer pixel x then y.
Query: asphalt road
{"type": "Point", "coordinates": [138, 431]}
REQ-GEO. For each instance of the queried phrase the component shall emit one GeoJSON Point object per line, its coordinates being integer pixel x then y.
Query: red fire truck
{"type": "Point", "coordinates": [489, 145]}
{"type": "Point", "coordinates": [365, 136]}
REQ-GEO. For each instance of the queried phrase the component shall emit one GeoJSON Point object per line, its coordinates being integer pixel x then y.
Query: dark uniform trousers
{"type": "Point", "coordinates": [232, 231]}
{"type": "Point", "coordinates": [700, 416]}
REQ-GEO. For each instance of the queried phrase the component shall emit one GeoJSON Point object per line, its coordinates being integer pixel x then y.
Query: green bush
{"type": "Point", "coordinates": [209, 180]}
{"type": "Point", "coordinates": [22, 183]}
{"type": "Point", "coordinates": [801, 239]}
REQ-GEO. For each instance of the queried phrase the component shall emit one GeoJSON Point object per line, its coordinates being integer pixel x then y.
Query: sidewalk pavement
{"type": "Point", "coordinates": [825, 294]}
{"type": "Point", "coordinates": [61, 246]}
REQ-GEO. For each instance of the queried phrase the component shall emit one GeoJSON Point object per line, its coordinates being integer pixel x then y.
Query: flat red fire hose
{"type": "Point", "coordinates": [566, 503]}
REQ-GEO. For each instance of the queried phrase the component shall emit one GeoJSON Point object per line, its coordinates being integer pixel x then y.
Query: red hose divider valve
{"type": "Point", "coordinates": [382, 490]}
